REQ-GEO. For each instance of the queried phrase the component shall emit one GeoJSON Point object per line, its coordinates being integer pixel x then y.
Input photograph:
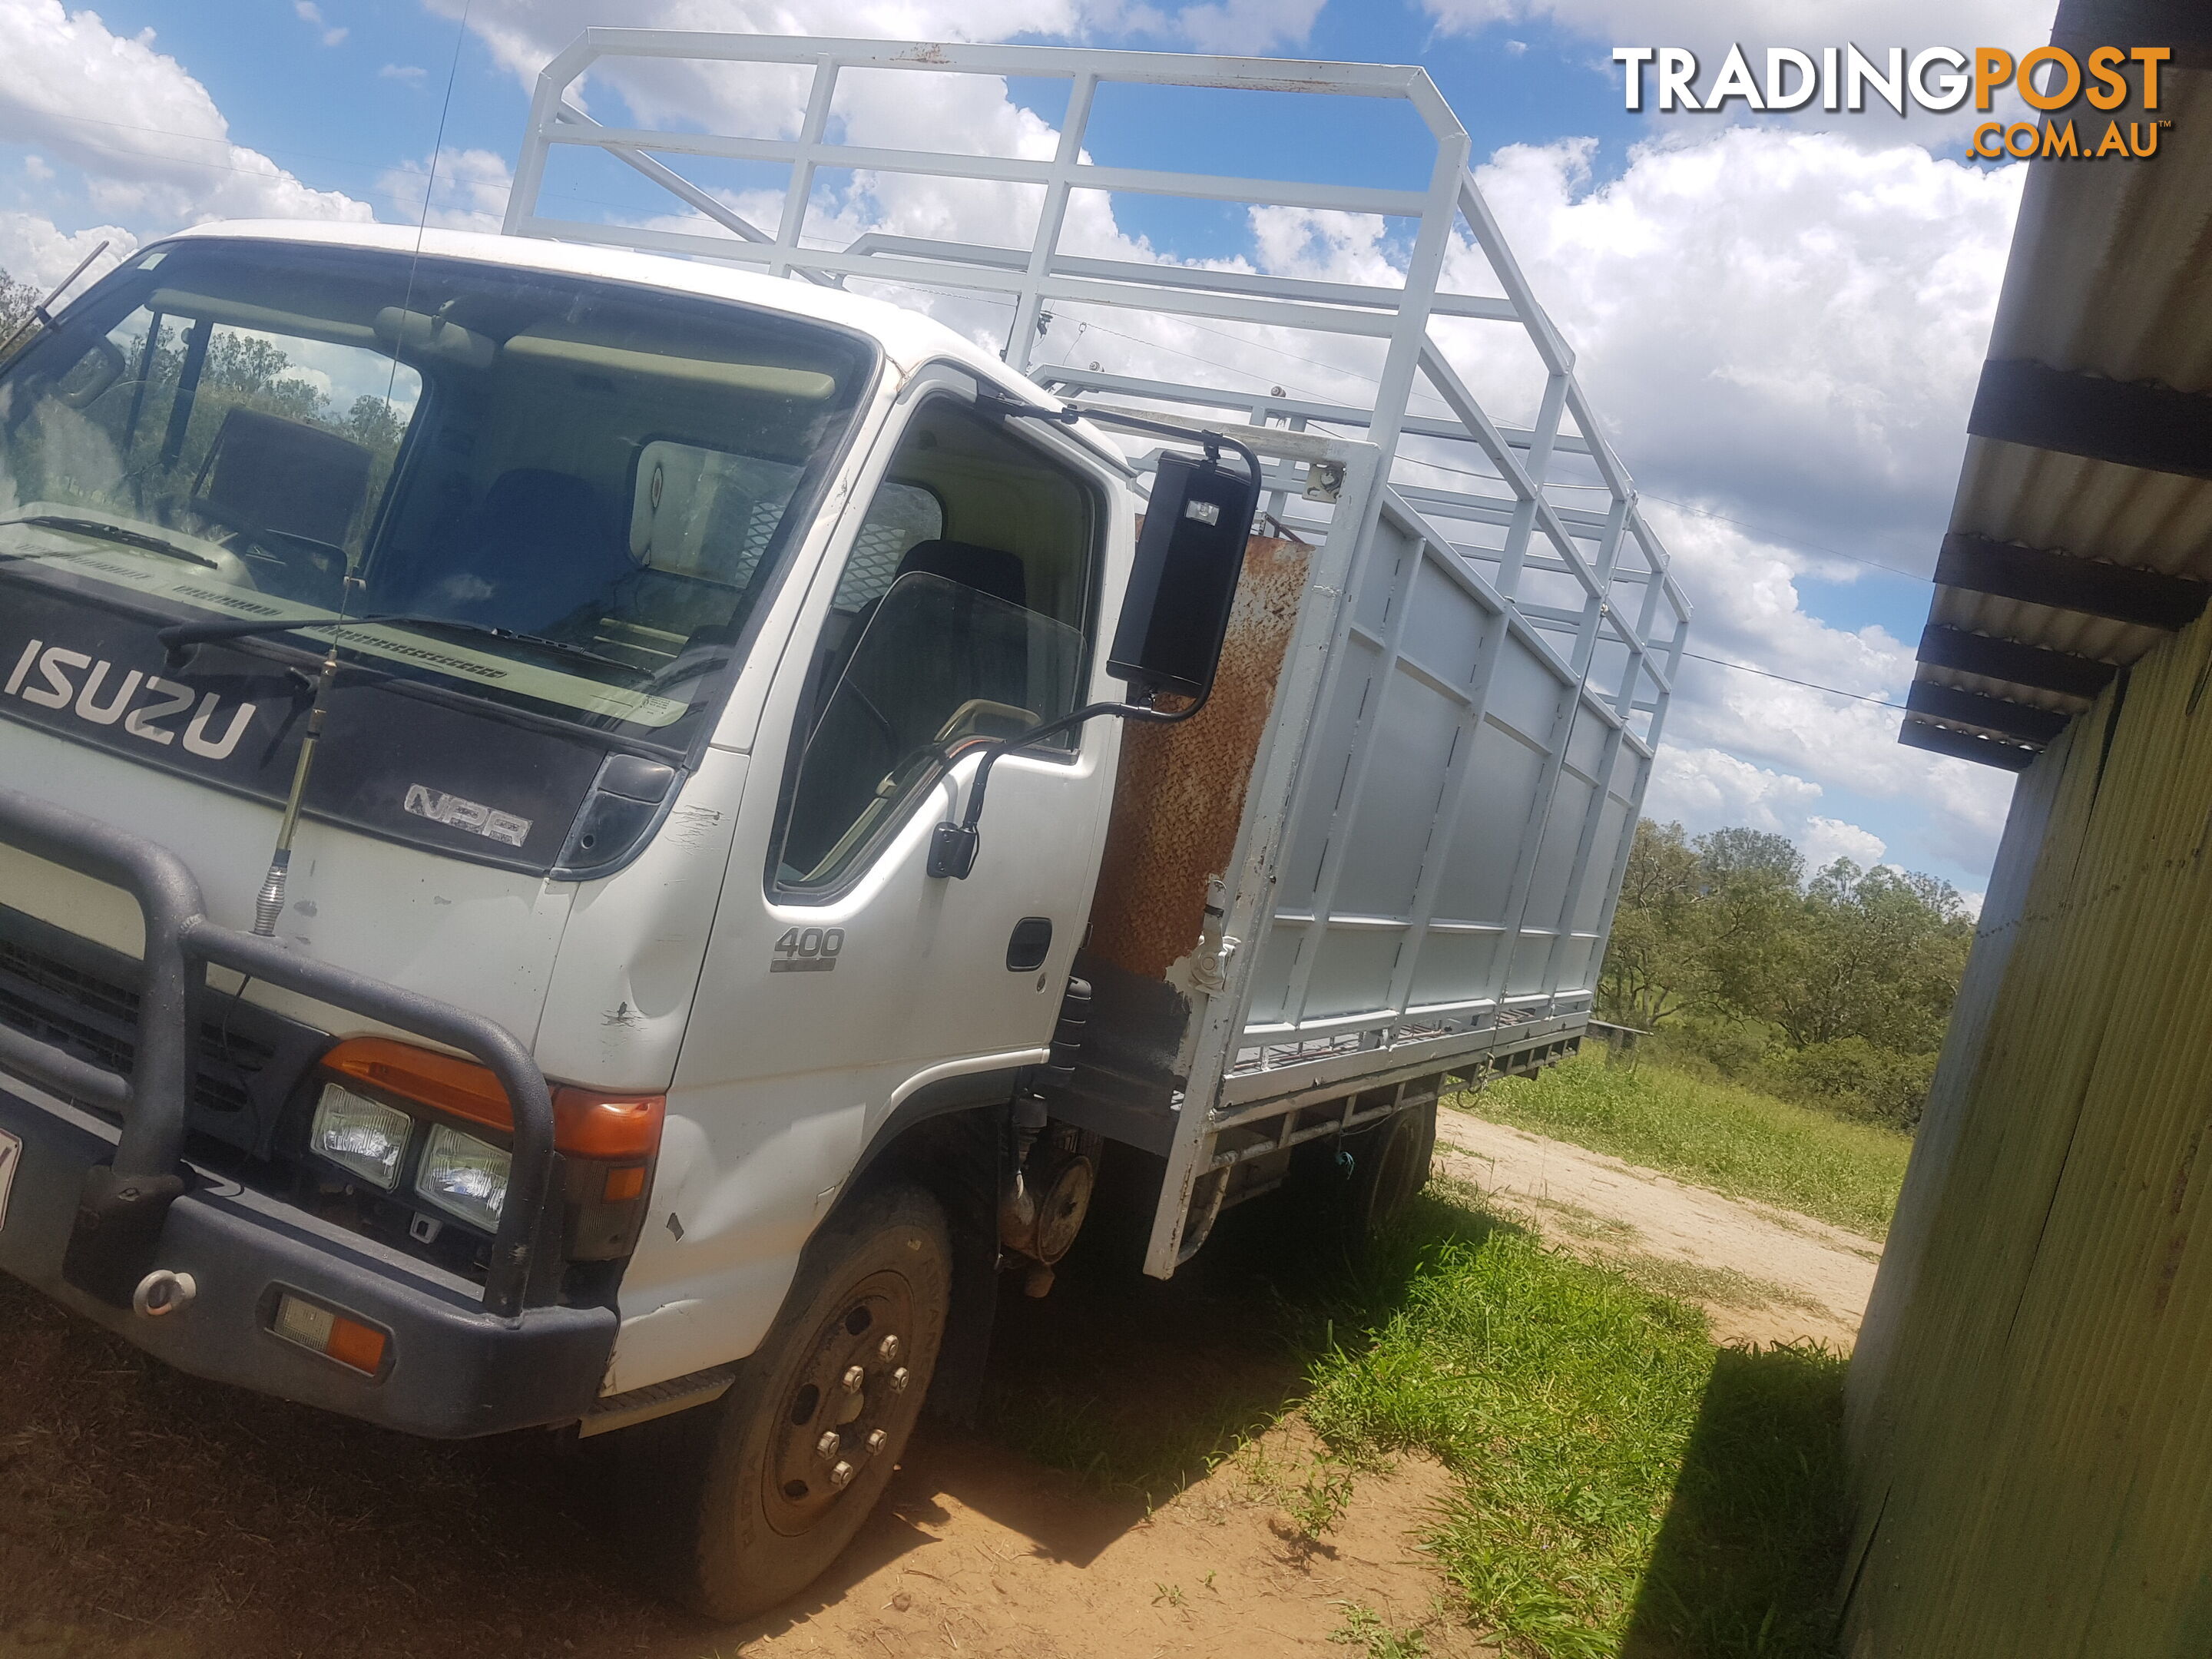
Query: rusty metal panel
{"type": "Point", "coordinates": [1179, 800]}
{"type": "Point", "coordinates": [1179, 796]}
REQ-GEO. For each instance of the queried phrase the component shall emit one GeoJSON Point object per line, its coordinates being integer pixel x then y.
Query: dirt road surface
{"type": "Point", "coordinates": [1762, 1274]}
{"type": "Point", "coordinates": [146, 1515]}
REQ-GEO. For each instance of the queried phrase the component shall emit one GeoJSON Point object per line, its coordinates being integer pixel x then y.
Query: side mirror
{"type": "Point", "coordinates": [1184, 581]}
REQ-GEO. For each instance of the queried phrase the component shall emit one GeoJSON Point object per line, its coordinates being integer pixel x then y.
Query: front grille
{"type": "Point", "coordinates": [77, 996]}
{"type": "Point", "coordinates": [22, 964]}
{"type": "Point", "coordinates": [224, 1063]}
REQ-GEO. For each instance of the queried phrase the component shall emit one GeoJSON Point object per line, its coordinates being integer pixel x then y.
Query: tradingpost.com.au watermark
{"type": "Point", "coordinates": [2050, 79]}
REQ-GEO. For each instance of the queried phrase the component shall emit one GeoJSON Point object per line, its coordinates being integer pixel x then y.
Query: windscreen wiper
{"type": "Point", "coordinates": [107, 531]}
{"type": "Point", "coordinates": [40, 317]}
{"type": "Point", "coordinates": [176, 637]}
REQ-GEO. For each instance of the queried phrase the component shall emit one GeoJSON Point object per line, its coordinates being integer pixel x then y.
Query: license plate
{"type": "Point", "coordinates": [11, 1154]}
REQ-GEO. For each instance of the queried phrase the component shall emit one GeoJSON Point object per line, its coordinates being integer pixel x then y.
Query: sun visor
{"type": "Point", "coordinates": [564, 350]}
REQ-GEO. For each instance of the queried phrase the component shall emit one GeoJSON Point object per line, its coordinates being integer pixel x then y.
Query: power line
{"type": "Point", "coordinates": [1767, 674]}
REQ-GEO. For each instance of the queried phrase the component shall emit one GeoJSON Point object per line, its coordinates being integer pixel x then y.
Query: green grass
{"type": "Point", "coordinates": [1621, 1485]}
{"type": "Point", "coordinates": [1713, 1133]}
{"type": "Point", "coordinates": [1626, 1488]}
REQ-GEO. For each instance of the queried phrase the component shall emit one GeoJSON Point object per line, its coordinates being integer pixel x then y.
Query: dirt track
{"type": "Point", "coordinates": [1761, 1273]}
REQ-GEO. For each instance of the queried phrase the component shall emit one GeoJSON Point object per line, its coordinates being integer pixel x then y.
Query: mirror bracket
{"type": "Point", "coordinates": [953, 847]}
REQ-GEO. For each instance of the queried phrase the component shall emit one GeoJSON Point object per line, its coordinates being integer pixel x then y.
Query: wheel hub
{"type": "Point", "coordinates": [847, 1399]}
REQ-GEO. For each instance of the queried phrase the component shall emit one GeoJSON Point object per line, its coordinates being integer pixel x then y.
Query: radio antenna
{"type": "Point", "coordinates": [269, 903]}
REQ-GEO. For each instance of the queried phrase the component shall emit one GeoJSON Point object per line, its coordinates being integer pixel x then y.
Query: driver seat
{"type": "Point", "coordinates": [536, 552]}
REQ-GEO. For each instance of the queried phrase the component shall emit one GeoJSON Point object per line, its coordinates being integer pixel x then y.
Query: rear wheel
{"type": "Point", "coordinates": [1347, 1193]}
{"type": "Point", "coordinates": [740, 1504]}
{"type": "Point", "coordinates": [1389, 1169]}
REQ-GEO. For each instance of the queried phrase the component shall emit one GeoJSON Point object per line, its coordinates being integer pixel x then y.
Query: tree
{"type": "Point", "coordinates": [1835, 988]}
{"type": "Point", "coordinates": [1878, 955]}
{"type": "Point", "coordinates": [1653, 967]}
{"type": "Point", "coordinates": [373, 422]}
{"type": "Point", "coordinates": [16, 300]}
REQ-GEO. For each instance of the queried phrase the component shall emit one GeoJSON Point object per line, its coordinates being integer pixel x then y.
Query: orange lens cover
{"type": "Point", "coordinates": [352, 1343]}
{"type": "Point", "coordinates": [587, 1123]}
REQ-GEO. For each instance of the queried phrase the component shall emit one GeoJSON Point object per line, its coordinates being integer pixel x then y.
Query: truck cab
{"type": "Point", "coordinates": [694, 586]}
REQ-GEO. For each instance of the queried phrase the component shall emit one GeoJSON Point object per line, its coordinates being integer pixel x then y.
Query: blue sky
{"type": "Point", "coordinates": [1781, 317]}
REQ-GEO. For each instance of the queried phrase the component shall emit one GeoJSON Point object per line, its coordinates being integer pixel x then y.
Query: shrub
{"type": "Point", "coordinates": [1855, 1077]}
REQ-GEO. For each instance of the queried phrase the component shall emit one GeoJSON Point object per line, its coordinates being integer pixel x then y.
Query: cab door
{"type": "Point", "coordinates": [842, 981]}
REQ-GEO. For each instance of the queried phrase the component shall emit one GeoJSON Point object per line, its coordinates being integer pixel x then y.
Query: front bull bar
{"type": "Point", "coordinates": [124, 1204]}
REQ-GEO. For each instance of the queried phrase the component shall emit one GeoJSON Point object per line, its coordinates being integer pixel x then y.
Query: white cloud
{"type": "Point", "coordinates": [37, 168]}
{"type": "Point", "coordinates": [522, 35]}
{"type": "Point", "coordinates": [470, 192]}
{"type": "Point", "coordinates": [33, 251]}
{"type": "Point", "coordinates": [1243, 27]}
{"type": "Point", "coordinates": [311, 13]}
{"type": "Point", "coordinates": [1694, 23]}
{"type": "Point", "coordinates": [158, 152]}
{"type": "Point", "coordinates": [1708, 788]}
{"type": "Point", "coordinates": [412, 74]}
{"type": "Point", "coordinates": [1773, 318]}
{"type": "Point", "coordinates": [1825, 840]}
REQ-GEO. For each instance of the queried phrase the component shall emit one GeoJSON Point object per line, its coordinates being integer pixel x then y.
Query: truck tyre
{"type": "Point", "coordinates": [1389, 1169]}
{"type": "Point", "coordinates": [1347, 1193]}
{"type": "Point", "coordinates": [739, 1505]}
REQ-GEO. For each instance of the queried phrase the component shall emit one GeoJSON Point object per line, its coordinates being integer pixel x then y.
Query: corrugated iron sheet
{"type": "Point", "coordinates": [2111, 275]}
{"type": "Point", "coordinates": [2032, 1412]}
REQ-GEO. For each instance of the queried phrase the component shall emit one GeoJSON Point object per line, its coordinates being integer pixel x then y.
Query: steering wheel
{"type": "Point", "coordinates": [326, 561]}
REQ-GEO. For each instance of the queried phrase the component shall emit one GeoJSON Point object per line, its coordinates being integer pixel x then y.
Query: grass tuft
{"type": "Point", "coordinates": [1715, 1134]}
{"type": "Point", "coordinates": [1624, 1487]}
{"type": "Point", "coordinates": [1368, 1630]}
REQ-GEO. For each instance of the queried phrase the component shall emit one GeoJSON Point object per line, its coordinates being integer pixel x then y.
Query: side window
{"type": "Point", "coordinates": [901, 515]}
{"type": "Point", "coordinates": [963, 614]}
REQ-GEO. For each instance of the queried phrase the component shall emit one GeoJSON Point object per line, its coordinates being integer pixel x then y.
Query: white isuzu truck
{"type": "Point", "coordinates": [502, 922]}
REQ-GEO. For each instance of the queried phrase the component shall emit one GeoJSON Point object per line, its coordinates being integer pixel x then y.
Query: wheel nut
{"type": "Point", "coordinates": [899, 1380]}
{"type": "Point", "coordinates": [889, 1348]}
{"type": "Point", "coordinates": [876, 1440]}
{"type": "Point", "coordinates": [826, 1447]}
{"type": "Point", "coordinates": [842, 1476]}
{"type": "Point", "coordinates": [854, 1377]}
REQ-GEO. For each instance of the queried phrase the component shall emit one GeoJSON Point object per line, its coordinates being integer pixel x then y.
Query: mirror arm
{"type": "Point", "coordinates": [952, 847]}
{"type": "Point", "coordinates": [1213, 442]}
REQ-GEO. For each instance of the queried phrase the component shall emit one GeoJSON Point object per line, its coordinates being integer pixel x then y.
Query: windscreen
{"type": "Point", "coordinates": [576, 492]}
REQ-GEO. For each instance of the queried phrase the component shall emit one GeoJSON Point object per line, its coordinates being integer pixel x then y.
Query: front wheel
{"type": "Point", "coordinates": [741, 1504]}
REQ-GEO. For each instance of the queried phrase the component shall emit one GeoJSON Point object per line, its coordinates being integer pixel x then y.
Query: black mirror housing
{"type": "Point", "coordinates": [1183, 583]}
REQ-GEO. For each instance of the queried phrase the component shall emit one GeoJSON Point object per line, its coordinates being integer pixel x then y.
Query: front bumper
{"type": "Point", "coordinates": [453, 1369]}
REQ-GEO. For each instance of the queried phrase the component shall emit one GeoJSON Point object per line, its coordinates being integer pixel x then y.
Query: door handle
{"type": "Point", "coordinates": [1029, 944]}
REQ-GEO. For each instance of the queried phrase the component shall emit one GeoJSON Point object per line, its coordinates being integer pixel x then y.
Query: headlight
{"type": "Point", "coordinates": [463, 1178]}
{"type": "Point", "coordinates": [361, 1135]}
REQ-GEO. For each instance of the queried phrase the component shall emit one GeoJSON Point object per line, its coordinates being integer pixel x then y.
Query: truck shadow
{"type": "Point", "coordinates": [144, 1512]}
